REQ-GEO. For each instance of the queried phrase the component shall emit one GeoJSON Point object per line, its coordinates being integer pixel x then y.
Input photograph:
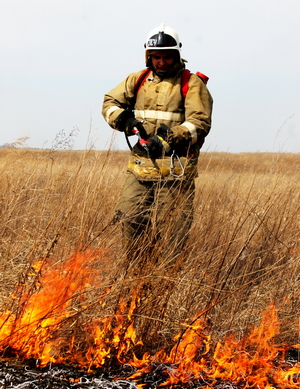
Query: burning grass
{"type": "Point", "coordinates": [50, 329]}
{"type": "Point", "coordinates": [226, 313]}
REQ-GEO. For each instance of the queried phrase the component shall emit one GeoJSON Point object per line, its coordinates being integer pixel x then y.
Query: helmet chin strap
{"type": "Point", "coordinates": [174, 68]}
{"type": "Point", "coordinates": [161, 74]}
{"type": "Point", "coordinates": [150, 66]}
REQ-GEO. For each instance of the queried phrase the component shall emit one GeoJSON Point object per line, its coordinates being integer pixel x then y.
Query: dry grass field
{"type": "Point", "coordinates": [242, 254]}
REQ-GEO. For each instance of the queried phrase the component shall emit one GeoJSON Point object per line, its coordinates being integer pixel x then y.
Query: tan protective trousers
{"type": "Point", "coordinates": [156, 214]}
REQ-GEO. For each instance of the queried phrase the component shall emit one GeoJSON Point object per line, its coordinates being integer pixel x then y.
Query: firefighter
{"type": "Point", "coordinates": [157, 199]}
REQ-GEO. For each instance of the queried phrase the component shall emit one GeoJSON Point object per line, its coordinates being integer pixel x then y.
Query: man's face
{"type": "Point", "coordinates": [162, 60]}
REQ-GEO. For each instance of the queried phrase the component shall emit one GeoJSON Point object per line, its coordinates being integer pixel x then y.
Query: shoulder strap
{"type": "Point", "coordinates": [141, 80]}
{"type": "Point", "coordinates": [203, 77]}
{"type": "Point", "coordinates": [185, 76]}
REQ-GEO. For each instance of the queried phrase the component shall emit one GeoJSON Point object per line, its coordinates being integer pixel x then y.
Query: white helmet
{"type": "Point", "coordinates": [162, 38]}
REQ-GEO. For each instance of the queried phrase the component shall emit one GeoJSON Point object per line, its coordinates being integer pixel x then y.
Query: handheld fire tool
{"type": "Point", "coordinates": [142, 141]}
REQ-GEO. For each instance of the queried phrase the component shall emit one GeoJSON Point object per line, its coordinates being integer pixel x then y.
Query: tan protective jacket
{"type": "Point", "coordinates": [161, 101]}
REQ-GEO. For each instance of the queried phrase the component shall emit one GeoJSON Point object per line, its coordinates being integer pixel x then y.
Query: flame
{"type": "Point", "coordinates": [33, 332]}
{"type": "Point", "coordinates": [42, 313]}
{"type": "Point", "coordinates": [252, 357]}
{"type": "Point", "coordinates": [248, 362]}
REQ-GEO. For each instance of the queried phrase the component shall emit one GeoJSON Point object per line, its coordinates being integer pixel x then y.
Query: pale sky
{"type": "Point", "coordinates": [59, 58]}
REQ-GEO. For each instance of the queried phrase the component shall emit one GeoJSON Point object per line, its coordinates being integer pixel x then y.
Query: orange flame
{"type": "Point", "coordinates": [253, 361]}
{"type": "Point", "coordinates": [249, 362]}
{"type": "Point", "coordinates": [42, 313]}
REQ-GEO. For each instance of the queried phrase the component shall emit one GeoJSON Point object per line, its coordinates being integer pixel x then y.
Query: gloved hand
{"type": "Point", "coordinates": [177, 136]}
{"type": "Point", "coordinates": [157, 146]}
{"type": "Point", "coordinates": [132, 123]}
{"type": "Point", "coordinates": [164, 132]}
{"type": "Point", "coordinates": [126, 121]}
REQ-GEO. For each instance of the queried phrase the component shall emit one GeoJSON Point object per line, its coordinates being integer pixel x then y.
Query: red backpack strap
{"type": "Point", "coordinates": [185, 76]}
{"type": "Point", "coordinates": [203, 77]}
{"type": "Point", "coordinates": [141, 80]}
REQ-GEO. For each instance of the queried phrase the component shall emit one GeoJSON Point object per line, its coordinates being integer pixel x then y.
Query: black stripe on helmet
{"type": "Point", "coordinates": [161, 40]}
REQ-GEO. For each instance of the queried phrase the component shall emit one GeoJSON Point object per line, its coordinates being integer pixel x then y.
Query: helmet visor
{"type": "Point", "coordinates": [161, 40]}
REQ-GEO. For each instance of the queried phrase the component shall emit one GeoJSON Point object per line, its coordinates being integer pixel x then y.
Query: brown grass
{"type": "Point", "coordinates": [243, 252]}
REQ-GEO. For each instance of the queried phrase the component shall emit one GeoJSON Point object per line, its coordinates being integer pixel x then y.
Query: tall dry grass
{"type": "Point", "coordinates": [242, 253]}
